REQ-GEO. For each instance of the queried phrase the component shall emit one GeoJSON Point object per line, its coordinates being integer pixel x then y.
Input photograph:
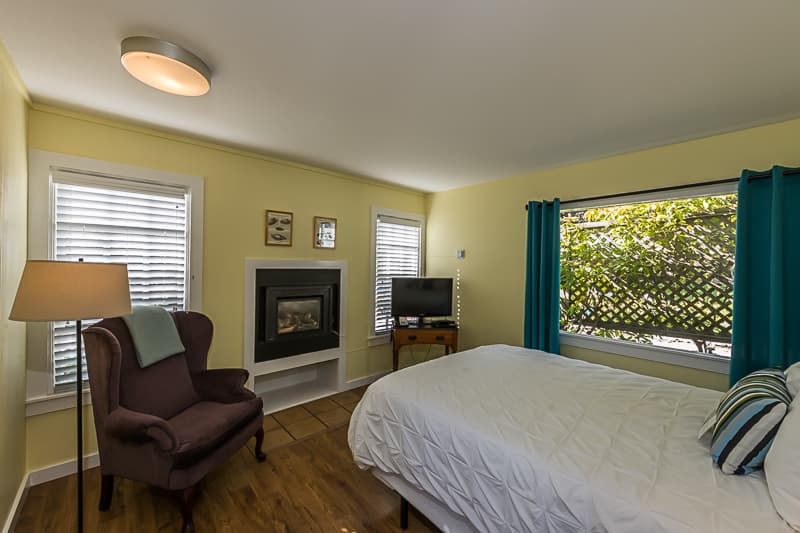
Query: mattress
{"type": "Point", "coordinates": [520, 440]}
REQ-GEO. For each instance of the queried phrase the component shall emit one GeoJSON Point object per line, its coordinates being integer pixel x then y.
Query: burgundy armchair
{"type": "Point", "coordinates": [173, 422]}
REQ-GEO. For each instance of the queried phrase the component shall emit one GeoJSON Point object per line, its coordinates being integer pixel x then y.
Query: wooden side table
{"type": "Point", "coordinates": [447, 337]}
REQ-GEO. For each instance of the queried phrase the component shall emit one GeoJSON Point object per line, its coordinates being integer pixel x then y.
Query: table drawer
{"type": "Point", "coordinates": [423, 336]}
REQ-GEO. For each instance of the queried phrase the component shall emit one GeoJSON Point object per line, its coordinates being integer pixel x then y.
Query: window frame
{"type": "Point", "coordinates": [375, 339]}
{"type": "Point", "coordinates": [41, 394]}
{"type": "Point", "coordinates": [696, 360]}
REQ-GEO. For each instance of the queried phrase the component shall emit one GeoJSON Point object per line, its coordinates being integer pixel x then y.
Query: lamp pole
{"type": "Point", "coordinates": [80, 426]}
{"type": "Point", "coordinates": [79, 419]}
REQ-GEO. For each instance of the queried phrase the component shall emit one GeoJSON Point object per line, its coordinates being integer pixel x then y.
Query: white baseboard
{"type": "Point", "coordinates": [49, 473]}
{"type": "Point", "coordinates": [360, 382]}
{"type": "Point", "coordinates": [16, 505]}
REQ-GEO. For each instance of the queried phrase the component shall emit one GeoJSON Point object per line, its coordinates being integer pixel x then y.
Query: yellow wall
{"type": "Point", "coordinates": [488, 220]}
{"type": "Point", "coordinates": [239, 187]}
{"type": "Point", "coordinates": [13, 251]}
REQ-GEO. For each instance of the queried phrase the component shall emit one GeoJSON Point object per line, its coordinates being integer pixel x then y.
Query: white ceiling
{"type": "Point", "coordinates": [428, 94]}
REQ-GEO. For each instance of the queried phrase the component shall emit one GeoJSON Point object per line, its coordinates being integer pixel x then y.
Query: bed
{"type": "Point", "coordinates": [507, 439]}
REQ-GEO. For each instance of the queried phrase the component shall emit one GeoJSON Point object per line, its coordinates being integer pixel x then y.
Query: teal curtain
{"type": "Point", "coordinates": [542, 277]}
{"type": "Point", "coordinates": [766, 282]}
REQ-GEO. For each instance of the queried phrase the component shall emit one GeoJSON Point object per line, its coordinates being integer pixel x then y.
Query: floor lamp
{"type": "Point", "coordinates": [61, 290]}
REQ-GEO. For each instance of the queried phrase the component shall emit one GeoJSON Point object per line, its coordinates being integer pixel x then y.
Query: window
{"type": "Point", "coordinates": [657, 272]}
{"type": "Point", "coordinates": [107, 212]}
{"type": "Point", "coordinates": [119, 222]}
{"type": "Point", "coordinates": [397, 247]}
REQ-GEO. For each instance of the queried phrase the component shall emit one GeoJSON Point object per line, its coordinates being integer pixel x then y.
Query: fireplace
{"type": "Point", "coordinates": [295, 317]}
{"type": "Point", "coordinates": [296, 312]}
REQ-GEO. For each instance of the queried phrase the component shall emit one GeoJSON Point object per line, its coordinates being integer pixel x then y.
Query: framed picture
{"type": "Point", "coordinates": [325, 232]}
{"type": "Point", "coordinates": [279, 228]}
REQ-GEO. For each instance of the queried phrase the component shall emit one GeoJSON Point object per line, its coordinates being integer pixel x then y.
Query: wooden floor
{"type": "Point", "coordinates": [308, 483]}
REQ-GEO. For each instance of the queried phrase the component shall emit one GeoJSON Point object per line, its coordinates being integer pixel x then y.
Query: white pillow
{"type": "Point", "coordinates": [782, 465]}
{"type": "Point", "coordinates": [708, 425]}
{"type": "Point", "coordinates": [793, 379]}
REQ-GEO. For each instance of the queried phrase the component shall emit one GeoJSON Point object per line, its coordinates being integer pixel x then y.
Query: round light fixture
{"type": "Point", "coordinates": [165, 66]}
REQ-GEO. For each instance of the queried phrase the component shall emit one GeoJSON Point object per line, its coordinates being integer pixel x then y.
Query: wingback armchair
{"type": "Point", "coordinates": [171, 423]}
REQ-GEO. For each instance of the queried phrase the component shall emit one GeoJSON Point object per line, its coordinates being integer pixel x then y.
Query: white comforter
{"type": "Point", "coordinates": [521, 440]}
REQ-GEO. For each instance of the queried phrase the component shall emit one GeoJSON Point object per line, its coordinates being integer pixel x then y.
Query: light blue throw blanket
{"type": "Point", "coordinates": [154, 334]}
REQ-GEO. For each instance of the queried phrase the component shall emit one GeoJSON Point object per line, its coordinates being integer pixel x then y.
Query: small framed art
{"type": "Point", "coordinates": [279, 228]}
{"type": "Point", "coordinates": [325, 233]}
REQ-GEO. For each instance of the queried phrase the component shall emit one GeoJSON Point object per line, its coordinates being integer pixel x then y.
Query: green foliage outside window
{"type": "Point", "coordinates": [648, 271]}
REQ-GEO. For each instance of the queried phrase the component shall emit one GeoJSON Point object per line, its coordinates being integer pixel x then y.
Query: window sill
{"type": "Point", "coordinates": [377, 340]}
{"type": "Point", "coordinates": [709, 363]}
{"type": "Point", "coordinates": [60, 401]}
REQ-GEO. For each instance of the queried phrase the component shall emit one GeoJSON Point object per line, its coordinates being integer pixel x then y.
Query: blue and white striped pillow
{"type": "Point", "coordinates": [748, 418]}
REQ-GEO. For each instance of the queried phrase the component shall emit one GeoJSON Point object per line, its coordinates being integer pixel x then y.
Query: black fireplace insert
{"type": "Point", "coordinates": [296, 311]}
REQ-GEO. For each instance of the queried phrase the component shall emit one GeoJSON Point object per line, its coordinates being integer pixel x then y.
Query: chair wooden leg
{"type": "Point", "coordinates": [260, 455]}
{"type": "Point", "coordinates": [403, 513]}
{"type": "Point", "coordinates": [106, 491]}
{"type": "Point", "coordinates": [187, 497]}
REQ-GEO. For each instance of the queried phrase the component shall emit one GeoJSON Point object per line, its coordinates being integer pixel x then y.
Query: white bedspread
{"type": "Point", "coordinates": [521, 440]}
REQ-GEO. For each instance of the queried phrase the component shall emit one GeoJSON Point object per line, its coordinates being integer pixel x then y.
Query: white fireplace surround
{"type": "Point", "coordinates": [299, 378]}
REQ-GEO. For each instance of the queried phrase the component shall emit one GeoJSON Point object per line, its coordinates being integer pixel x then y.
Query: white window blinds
{"type": "Point", "coordinates": [397, 255]}
{"type": "Point", "coordinates": [115, 221]}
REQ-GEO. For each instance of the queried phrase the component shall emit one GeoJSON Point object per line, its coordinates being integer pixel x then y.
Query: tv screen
{"type": "Point", "coordinates": [422, 296]}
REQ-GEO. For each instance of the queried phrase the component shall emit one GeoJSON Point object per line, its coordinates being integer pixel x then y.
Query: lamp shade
{"type": "Point", "coordinates": [62, 290]}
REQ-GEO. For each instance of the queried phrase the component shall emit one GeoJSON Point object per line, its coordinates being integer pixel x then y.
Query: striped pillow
{"type": "Point", "coordinates": [748, 418]}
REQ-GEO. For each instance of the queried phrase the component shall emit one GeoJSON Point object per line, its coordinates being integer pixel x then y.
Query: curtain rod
{"type": "Point", "coordinates": [670, 188]}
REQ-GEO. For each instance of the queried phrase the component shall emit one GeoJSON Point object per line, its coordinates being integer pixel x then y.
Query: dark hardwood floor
{"type": "Point", "coordinates": [306, 485]}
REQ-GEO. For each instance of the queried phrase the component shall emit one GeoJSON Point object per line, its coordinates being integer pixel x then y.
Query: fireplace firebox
{"type": "Point", "coordinates": [299, 314]}
{"type": "Point", "coordinates": [296, 312]}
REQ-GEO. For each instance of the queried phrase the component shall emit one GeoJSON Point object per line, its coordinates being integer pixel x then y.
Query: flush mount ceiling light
{"type": "Point", "coordinates": [165, 66]}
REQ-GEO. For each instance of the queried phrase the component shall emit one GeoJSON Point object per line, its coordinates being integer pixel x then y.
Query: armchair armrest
{"type": "Point", "coordinates": [125, 424]}
{"type": "Point", "coordinates": [224, 385]}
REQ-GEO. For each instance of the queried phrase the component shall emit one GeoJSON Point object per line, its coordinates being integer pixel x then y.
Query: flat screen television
{"type": "Point", "coordinates": [422, 297]}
